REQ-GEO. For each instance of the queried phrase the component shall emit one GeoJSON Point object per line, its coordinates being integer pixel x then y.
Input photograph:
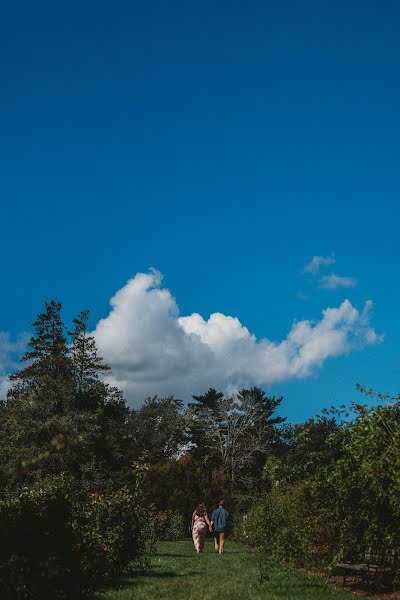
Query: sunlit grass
{"type": "Point", "coordinates": [178, 573]}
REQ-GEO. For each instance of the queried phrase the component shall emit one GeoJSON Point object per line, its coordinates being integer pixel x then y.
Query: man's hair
{"type": "Point", "coordinates": [222, 502]}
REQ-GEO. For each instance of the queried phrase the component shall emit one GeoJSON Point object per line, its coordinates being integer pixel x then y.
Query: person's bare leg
{"type": "Point", "coordinates": [221, 542]}
{"type": "Point", "coordinates": [216, 547]}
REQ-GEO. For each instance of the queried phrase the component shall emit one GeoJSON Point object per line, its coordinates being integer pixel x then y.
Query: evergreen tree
{"type": "Point", "coordinates": [108, 447]}
{"type": "Point", "coordinates": [40, 402]}
{"type": "Point", "coordinates": [271, 432]}
{"type": "Point", "coordinates": [208, 400]}
{"type": "Point", "coordinates": [49, 364]}
{"type": "Point", "coordinates": [235, 434]}
{"type": "Point", "coordinates": [206, 406]}
{"type": "Point", "coordinates": [59, 416]}
{"type": "Point", "coordinates": [85, 359]}
{"type": "Point", "coordinates": [268, 404]}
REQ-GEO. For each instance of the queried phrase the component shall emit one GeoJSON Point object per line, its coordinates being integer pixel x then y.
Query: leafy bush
{"type": "Point", "coordinates": [364, 484]}
{"type": "Point", "coordinates": [37, 553]}
{"type": "Point", "coordinates": [275, 526]}
{"type": "Point", "coordinates": [336, 495]}
{"type": "Point", "coordinates": [170, 525]}
{"type": "Point", "coordinates": [109, 529]}
{"type": "Point", "coordinates": [60, 544]}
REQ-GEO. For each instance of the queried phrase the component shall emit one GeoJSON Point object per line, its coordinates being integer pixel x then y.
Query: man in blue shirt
{"type": "Point", "coordinates": [219, 520]}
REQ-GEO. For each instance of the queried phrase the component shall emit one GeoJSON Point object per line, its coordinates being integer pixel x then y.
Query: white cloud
{"type": "Point", "coordinates": [333, 281]}
{"type": "Point", "coordinates": [317, 262]}
{"type": "Point", "coordinates": [9, 350]}
{"type": "Point", "coordinates": [152, 350]}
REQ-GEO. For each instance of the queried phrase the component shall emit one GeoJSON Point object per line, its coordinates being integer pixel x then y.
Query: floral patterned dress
{"type": "Point", "coordinates": [198, 532]}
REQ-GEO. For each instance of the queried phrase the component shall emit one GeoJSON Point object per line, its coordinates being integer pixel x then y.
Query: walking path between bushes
{"type": "Point", "coordinates": [176, 572]}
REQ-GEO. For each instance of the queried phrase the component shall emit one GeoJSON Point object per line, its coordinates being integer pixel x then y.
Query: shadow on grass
{"type": "Point", "coordinates": [301, 589]}
{"type": "Point", "coordinates": [194, 554]}
{"type": "Point", "coordinates": [135, 578]}
{"type": "Point", "coordinates": [355, 585]}
{"type": "Point", "coordinates": [174, 555]}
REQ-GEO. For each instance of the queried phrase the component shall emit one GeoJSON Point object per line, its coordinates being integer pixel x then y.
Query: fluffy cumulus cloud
{"type": "Point", "coordinates": [154, 350]}
{"type": "Point", "coordinates": [333, 281]}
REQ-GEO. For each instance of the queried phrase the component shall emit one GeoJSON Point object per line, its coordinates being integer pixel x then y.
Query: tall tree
{"type": "Point", "coordinates": [236, 433]}
{"type": "Point", "coordinates": [209, 400]}
{"type": "Point", "coordinates": [160, 427]}
{"type": "Point", "coordinates": [87, 364]}
{"type": "Point", "coordinates": [60, 412]}
{"type": "Point", "coordinates": [107, 447]}
{"type": "Point", "coordinates": [268, 404]}
{"type": "Point", "coordinates": [200, 411]}
{"type": "Point", "coordinates": [40, 401]}
{"type": "Point", "coordinates": [270, 424]}
{"type": "Point", "coordinates": [48, 360]}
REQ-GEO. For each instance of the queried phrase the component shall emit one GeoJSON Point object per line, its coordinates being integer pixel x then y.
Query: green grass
{"type": "Point", "coordinates": [178, 573]}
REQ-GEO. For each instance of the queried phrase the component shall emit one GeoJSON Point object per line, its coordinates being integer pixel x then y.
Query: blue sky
{"type": "Point", "coordinates": [224, 144]}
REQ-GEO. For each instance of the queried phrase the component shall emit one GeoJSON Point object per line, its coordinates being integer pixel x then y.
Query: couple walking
{"type": "Point", "coordinates": [217, 526]}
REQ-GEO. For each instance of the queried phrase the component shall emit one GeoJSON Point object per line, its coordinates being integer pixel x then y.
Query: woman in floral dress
{"type": "Point", "coordinates": [199, 522]}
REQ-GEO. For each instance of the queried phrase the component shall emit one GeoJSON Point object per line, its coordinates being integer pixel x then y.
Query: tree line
{"type": "Point", "coordinates": [70, 446]}
{"type": "Point", "coordinates": [99, 481]}
{"type": "Point", "coordinates": [58, 398]}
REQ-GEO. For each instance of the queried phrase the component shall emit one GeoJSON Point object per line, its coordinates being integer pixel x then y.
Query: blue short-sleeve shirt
{"type": "Point", "coordinates": [220, 518]}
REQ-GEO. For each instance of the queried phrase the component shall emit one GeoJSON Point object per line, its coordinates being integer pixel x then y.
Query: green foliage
{"type": "Point", "coordinates": [59, 396]}
{"type": "Point", "coordinates": [276, 525]}
{"type": "Point", "coordinates": [60, 543]}
{"type": "Point", "coordinates": [334, 496]}
{"type": "Point", "coordinates": [48, 358]}
{"type": "Point", "coordinates": [109, 529]}
{"type": "Point", "coordinates": [71, 505]}
{"type": "Point", "coordinates": [37, 550]}
{"type": "Point", "coordinates": [86, 362]}
{"type": "Point", "coordinates": [160, 428]}
{"type": "Point", "coordinates": [235, 434]}
{"type": "Point", "coordinates": [171, 525]}
{"type": "Point", "coordinates": [72, 472]}
{"type": "Point", "coordinates": [364, 484]}
{"type": "Point", "coordinates": [181, 484]}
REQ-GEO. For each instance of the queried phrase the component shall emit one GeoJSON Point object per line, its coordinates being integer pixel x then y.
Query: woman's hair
{"type": "Point", "coordinates": [201, 510]}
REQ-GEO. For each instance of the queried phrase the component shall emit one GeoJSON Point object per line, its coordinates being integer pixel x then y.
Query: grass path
{"type": "Point", "coordinates": [177, 573]}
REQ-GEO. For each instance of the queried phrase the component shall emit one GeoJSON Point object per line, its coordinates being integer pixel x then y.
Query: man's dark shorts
{"type": "Point", "coordinates": [216, 533]}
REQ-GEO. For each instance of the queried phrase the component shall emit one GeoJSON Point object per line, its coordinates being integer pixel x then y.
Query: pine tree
{"type": "Point", "coordinates": [58, 400]}
{"type": "Point", "coordinates": [87, 364]}
{"type": "Point", "coordinates": [268, 404]}
{"type": "Point", "coordinates": [49, 364]}
{"type": "Point", "coordinates": [40, 404]}
{"type": "Point", "coordinates": [206, 405]}
{"type": "Point", "coordinates": [208, 400]}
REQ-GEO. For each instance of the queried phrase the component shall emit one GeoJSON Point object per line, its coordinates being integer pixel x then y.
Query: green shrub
{"type": "Point", "coordinates": [60, 544]}
{"type": "Point", "coordinates": [37, 552]}
{"type": "Point", "coordinates": [170, 525]}
{"type": "Point", "coordinates": [288, 524]}
{"type": "Point", "coordinates": [108, 527]}
{"type": "Point", "coordinates": [337, 495]}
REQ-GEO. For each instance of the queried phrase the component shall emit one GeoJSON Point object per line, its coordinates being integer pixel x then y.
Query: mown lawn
{"type": "Point", "coordinates": [177, 573]}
